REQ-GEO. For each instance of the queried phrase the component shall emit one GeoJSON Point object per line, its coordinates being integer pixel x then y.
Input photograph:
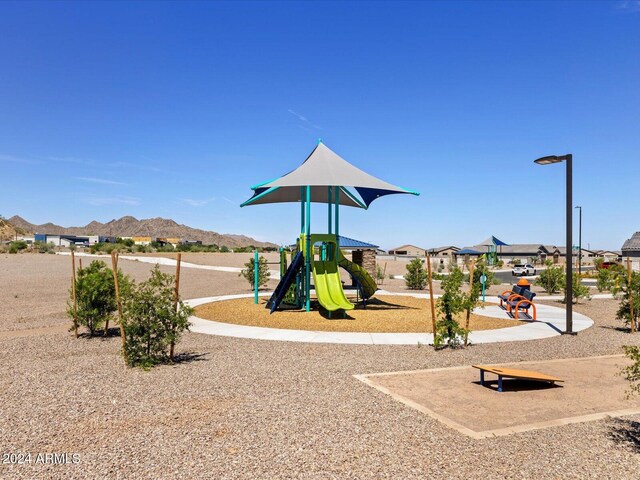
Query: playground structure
{"type": "Point", "coordinates": [324, 177]}
{"type": "Point", "coordinates": [326, 260]}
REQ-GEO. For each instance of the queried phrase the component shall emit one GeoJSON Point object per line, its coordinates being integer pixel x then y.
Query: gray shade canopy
{"type": "Point", "coordinates": [324, 168]}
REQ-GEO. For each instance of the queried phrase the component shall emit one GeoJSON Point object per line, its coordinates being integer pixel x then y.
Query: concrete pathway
{"type": "Point", "coordinates": [275, 274]}
{"type": "Point", "coordinates": [551, 322]}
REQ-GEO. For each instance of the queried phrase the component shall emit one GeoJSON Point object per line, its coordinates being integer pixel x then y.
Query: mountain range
{"type": "Point", "coordinates": [132, 227]}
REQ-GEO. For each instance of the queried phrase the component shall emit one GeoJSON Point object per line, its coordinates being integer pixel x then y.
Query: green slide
{"type": "Point", "coordinates": [368, 284]}
{"type": "Point", "coordinates": [326, 278]}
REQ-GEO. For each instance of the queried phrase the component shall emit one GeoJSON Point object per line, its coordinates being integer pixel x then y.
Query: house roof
{"type": "Point", "coordinates": [632, 243]}
{"type": "Point", "coordinates": [440, 249]}
{"type": "Point", "coordinates": [532, 248]}
{"type": "Point", "coordinates": [405, 247]}
{"type": "Point", "coordinates": [604, 252]}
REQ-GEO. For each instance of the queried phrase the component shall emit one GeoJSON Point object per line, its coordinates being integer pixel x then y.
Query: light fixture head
{"type": "Point", "coordinates": [548, 160]}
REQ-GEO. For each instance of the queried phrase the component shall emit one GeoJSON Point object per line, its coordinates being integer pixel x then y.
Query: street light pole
{"type": "Point", "coordinates": [569, 258]}
{"type": "Point", "coordinates": [580, 242]}
{"type": "Point", "coordinates": [568, 159]}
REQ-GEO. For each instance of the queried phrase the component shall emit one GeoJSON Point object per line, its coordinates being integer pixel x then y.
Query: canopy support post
{"type": "Point", "coordinates": [300, 289]}
{"type": "Point", "coordinates": [302, 194]}
{"type": "Point", "coordinates": [308, 250]}
{"type": "Point", "coordinates": [329, 195]}
{"type": "Point", "coordinates": [337, 229]}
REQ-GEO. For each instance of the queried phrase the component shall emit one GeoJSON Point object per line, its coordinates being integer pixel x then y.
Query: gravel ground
{"type": "Point", "coordinates": [238, 408]}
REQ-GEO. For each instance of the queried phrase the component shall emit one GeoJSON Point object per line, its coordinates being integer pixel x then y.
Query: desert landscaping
{"type": "Point", "coordinates": [319, 240]}
{"type": "Point", "coordinates": [255, 408]}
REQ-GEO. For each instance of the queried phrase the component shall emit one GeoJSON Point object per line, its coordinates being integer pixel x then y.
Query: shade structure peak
{"type": "Point", "coordinates": [324, 168]}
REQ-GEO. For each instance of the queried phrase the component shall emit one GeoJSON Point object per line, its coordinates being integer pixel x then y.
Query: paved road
{"type": "Point", "coordinates": [506, 277]}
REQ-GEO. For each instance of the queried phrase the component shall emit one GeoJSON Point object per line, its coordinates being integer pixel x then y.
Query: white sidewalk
{"type": "Point", "coordinates": [551, 322]}
{"type": "Point", "coordinates": [275, 274]}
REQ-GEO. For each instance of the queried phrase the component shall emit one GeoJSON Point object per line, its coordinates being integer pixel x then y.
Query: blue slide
{"type": "Point", "coordinates": [285, 282]}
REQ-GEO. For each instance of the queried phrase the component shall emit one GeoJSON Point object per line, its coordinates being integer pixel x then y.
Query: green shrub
{"type": "Point", "coordinates": [480, 269]}
{"type": "Point", "coordinates": [579, 290]}
{"type": "Point", "coordinates": [417, 276]}
{"type": "Point", "coordinates": [621, 289]}
{"type": "Point", "coordinates": [42, 247]}
{"type": "Point", "coordinates": [95, 294]}
{"type": "Point", "coordinates": [127, 242]}
{"type": "Point", "coordinates": [379, 275]}
{"type": "Point", "coordinates": [152, 324]}
{"type": "Point", "coordinates": [224, 249]}
{"type": "Point", "coordinates": [604, 279]}
{"type": "Point", "coordinates": [452, 302]}
{"type": "Point", "coordinates": [17, 246]}
{"type": "Point", "coordinates": [551, 279]}
{"type": "Point", "coordinates": [263, 272]}
{"type": "Point", "coordinates": [632, 372]}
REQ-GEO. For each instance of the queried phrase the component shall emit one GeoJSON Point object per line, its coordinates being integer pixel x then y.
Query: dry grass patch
{"type": "Point", "coordinates": [384, 314]}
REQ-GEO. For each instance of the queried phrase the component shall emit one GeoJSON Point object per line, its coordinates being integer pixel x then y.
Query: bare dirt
{"type": "Point", "coordinates": [239, 408]}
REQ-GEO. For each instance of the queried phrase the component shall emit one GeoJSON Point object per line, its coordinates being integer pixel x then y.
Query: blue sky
{"type": "Point", "coordinates": [176, 109]}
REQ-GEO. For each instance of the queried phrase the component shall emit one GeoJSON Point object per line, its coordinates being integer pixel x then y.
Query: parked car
{"type": "Point", "coordinates": [608, 265]}
{"type": "Point", "coordinates": [526, 269]}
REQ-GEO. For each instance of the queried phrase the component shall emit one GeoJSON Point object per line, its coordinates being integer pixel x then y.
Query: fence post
{"type": "Point", "coordinates": [630, 290]}
{"type": "Point", "coordinates": [73, 289]}
{"type": "Point", "coordinates": [255, 276]}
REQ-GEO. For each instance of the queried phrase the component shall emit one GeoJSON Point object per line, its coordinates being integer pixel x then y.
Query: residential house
{"type": "Point", "coordinates": [631, 249]}
{"type": "Point", "coordinates": [408, 251]}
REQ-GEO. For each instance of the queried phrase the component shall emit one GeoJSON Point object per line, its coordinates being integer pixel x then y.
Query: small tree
{"type": "Point", "coordinates": [625, 290]}
{"type": "Point", "coordinates": [95, 296]}
{"type": "Point", "coordinates": [551, 278]}
{"type": "Point", "coordinates": [380, 274]}
{"type": "Point", "coordinates": [450, 304]}
{"type": "Point", "coordinates": [632, 372]}
{"type": "Point", "coordinates": [579, 290]}
{"type": "Point", "coordinates": [604, 279]}
{"type": "Point", "coordinates": [480, 269]}
{"type": "Point", "coordinates": [417, 276]}
{"type": "Point", "coordinates": [151, 320]}
{"type": "Point", "coordinates": [263, 271]}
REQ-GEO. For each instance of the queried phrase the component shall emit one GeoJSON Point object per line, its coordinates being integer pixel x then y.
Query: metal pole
{"type": "Point", "coordinates": [308, 250]}
{"type": "Point", "coordinates": [338, 216]}
{"type": "Point", "coordinates": [301, 288]}
{"type": "Point", "coordinates": [580, 245]}
{"type": "Point", "coordinates": [569, 252]}
{"type": "Point", "coordinates": [302, 194]}
{"type": "Point", "coordinates": [630, 293]}
{"type": "Point", "coordinates": [329, 195]}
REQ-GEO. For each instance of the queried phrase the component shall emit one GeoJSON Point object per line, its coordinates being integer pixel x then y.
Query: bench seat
{"type": "Point", "coordinates": [514, 373]}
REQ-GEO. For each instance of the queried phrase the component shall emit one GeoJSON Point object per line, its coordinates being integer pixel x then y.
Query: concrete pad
{"type": "Point", "coordinates": [592, 390]}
